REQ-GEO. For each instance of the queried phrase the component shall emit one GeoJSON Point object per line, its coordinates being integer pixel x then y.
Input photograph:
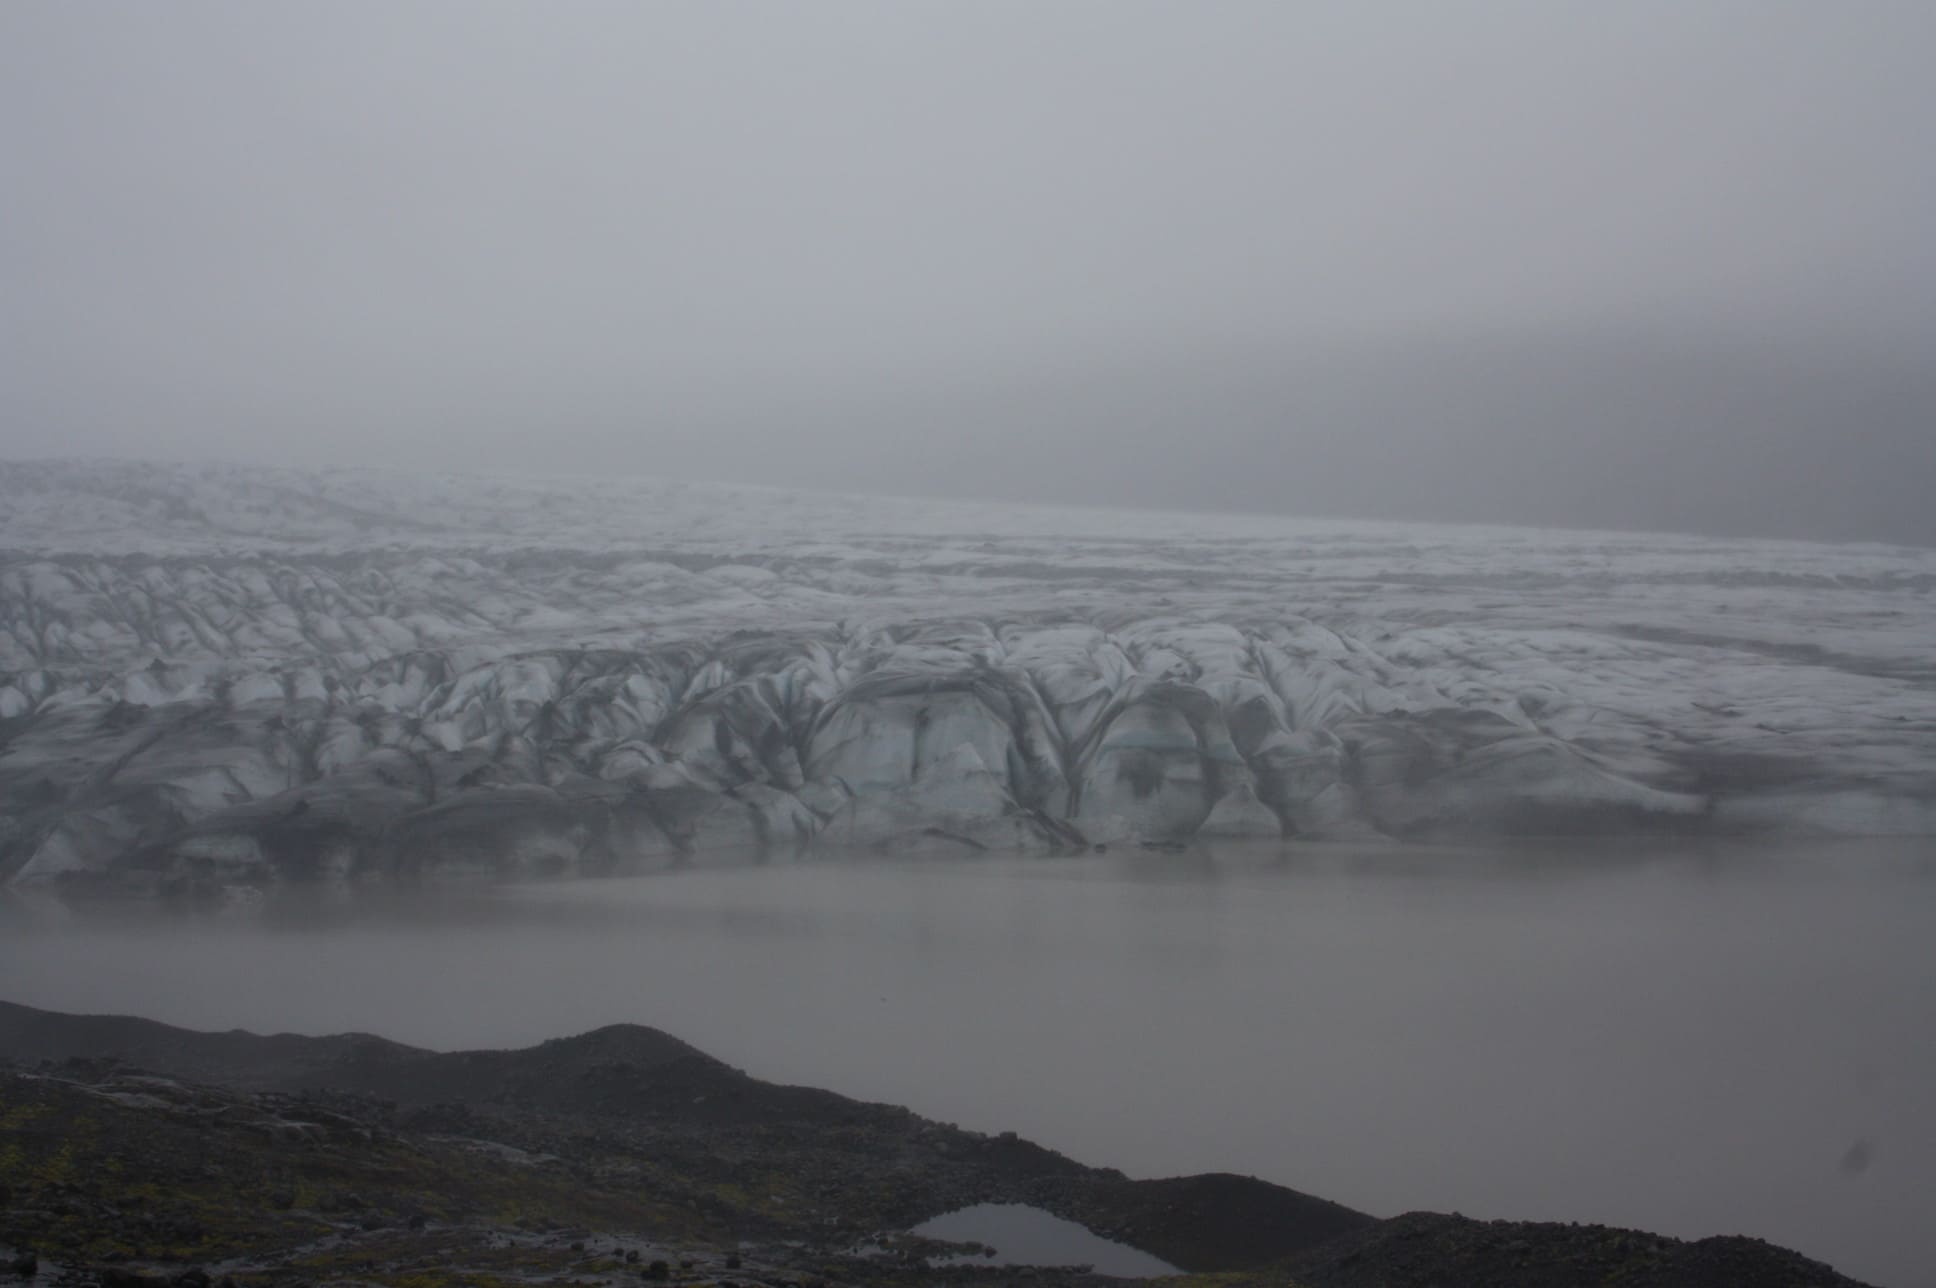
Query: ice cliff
{"type": "Point", "coordinates": [212, 677]}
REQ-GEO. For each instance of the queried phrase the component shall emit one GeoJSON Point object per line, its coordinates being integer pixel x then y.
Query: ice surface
{"type": "Point", "coordinates": [213, 674]}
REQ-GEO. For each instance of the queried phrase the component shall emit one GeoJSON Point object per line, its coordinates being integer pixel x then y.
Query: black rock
{"type": "Point", "coordinates": [115, 1277]}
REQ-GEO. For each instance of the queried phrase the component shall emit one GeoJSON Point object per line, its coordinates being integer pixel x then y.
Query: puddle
{"type": "Point", "coordinates": [1028, 1236]}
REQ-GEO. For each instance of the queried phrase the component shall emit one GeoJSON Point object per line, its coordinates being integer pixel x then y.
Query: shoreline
{"type": "Point", "coordinates": [623, 1140]}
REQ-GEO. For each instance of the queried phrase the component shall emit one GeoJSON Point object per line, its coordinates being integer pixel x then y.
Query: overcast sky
{"type": "Point", "coordinates": [1657, 263]}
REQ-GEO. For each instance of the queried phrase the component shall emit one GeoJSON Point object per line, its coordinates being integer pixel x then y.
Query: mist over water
{"type": "Point", "coordinates": [1694, 1039]}
{"type": "Point", "coordinates": [1315, 281]}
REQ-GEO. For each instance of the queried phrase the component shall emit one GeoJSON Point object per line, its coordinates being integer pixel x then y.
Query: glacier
{"type": "Point", "coordinates": [223, 677]}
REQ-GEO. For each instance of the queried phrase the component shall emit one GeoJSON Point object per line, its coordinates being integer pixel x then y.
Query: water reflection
{"type": "Point", "coordinates": [1686, 1038]}
{"type": "Point", "coordinates": [1016, 1234]}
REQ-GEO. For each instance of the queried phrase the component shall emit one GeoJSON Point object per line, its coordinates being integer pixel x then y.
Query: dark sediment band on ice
{"type": "Point", "coordinates": [229, 676]}
{"type": "Point", "coordinates": [950, 737]}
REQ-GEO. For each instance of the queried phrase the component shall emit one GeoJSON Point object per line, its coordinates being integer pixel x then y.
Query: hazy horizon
{"type": "Point", "coordinates": [1657, 267]}
{"type": "Point", "coordinates": [941, 492]}
{"type": "Point", "coordinates": [380, 654]}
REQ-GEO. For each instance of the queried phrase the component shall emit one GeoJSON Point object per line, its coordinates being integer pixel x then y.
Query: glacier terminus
{"type": "Point", "coordinates": [216, 678]}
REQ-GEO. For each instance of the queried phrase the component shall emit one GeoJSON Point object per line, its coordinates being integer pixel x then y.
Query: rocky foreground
{"type": "Point", "coordinates": [218, 680]}
{"type": "Point", "coordinates": [133, 1154]}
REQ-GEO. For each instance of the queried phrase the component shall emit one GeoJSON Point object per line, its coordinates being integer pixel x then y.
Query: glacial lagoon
{"type": "Point", "coordinates": [1694, 1038]}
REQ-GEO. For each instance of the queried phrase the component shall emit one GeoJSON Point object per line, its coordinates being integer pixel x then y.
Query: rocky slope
{"type": "Point", "coordinates": [216, 678]}
{"type": "Point", "coordinates": [136, 1154]}
{"type": "Point", "coordinates": [632, 1115]}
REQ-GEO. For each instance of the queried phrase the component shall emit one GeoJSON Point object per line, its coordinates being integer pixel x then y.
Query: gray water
{"type": "Point", "coordinates": [1695, 1040]}
{"type": "Point", "coordinates": [1016, 1234]}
